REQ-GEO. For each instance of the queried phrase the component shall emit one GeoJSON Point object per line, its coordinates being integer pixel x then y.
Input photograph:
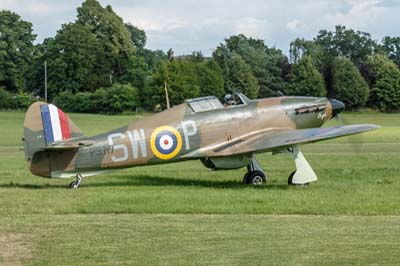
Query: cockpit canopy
{"type": "Point", "coordinates": [208, 103]}
{"type": "Point", "coordinates": [204, 104]}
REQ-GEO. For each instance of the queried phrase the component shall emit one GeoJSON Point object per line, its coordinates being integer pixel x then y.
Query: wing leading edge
{"type": "Point", "coordinates": [266, 141]}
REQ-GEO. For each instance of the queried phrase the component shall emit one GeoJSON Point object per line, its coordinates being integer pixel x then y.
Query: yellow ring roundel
{"type": "Point", "coordinates": [165, 142]}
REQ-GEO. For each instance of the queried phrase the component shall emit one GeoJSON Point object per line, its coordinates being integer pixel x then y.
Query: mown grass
{"type": "Point", "coordinates": [180, 214]}
{"type": "Point", "coordinates": [165, 239]}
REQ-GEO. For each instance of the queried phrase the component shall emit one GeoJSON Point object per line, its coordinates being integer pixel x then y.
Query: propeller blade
{"type": "Point", "coordinates": [356, 141]}
{"type": "Point", "coordinates": [339, 119]}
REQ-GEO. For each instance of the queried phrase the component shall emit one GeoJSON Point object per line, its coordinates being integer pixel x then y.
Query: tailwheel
{"type": "Point", "coordinates": [74, 184]}
{"type": "Point", "coordinates": [255, 178]}
{"type": "Point", "coordinates": [77, 182]}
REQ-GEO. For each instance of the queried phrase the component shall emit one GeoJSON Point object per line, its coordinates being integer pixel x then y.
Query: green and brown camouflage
{"type": "Point", "coordinates": [222, 137]}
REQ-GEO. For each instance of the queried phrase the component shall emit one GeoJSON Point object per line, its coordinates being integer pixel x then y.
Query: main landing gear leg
{"type": "Point", "coordinates": [304, 174]}
{"type": "Point", "coordinates": [77, 182]}
{"type": "Point", "coordinates": [255, 175]}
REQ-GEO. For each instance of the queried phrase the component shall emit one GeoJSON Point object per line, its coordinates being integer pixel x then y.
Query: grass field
{"type": "Point", "coordinates": [184, 214]}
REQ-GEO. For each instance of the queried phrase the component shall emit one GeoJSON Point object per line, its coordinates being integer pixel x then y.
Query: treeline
{"type": "Point", "coordinates": [98, 63]}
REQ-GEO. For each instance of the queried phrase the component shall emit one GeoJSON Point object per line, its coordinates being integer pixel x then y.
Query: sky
{"type": "Point", "coordinates": [190, 25]}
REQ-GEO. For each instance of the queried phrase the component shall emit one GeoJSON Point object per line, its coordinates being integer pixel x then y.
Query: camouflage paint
{"type": "Point", "coordinates": [236, 131]}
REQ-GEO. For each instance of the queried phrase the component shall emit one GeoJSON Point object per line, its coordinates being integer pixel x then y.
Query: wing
{"type": "Point", "coordinates": [276, 139]}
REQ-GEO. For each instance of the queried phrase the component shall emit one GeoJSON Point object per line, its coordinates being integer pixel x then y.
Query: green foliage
{"type": "Point", "coordinates": [99, 49]}
{"type": "Point", "coordinates": [76, 60]}
{"type": "Point", "coordinates": [22, 100]}
{"type": "Point", "coordinates": [116, 99]}
{"type": "Point", "coordinates": [86, 54]}
{"type": "Point", "coordinates": [141, 68]}
{"type": "Point", "coordinates": [267, 64]}
{"type": "Point", "coordinates": [348, 84]}
{"type": "Point", "coordinates": [153, 58]}
{"type": "Point", "coordinates": [185, 79]}
{"type": "Point", "coordinates": [74, 102]}
{"type": "Point", "coordinates": [305, 80]}
{"type": "Point", "coordinates": [14, 101]}
{"type": "Point", "coordinates": [181, 79]}
{"type": "Point", "coordinates": [137, 72]}
{"type": "Point", "coordinates": [385, 83]}
{"type": "Point", "coordinates": [391, 47]}
{"type": "Point", "coordinates": [355, 45]}
{"type": "Point", "coordinates": [5, 99]}
{"type": "Point", "coordinates": [211, 80]}
{"type": "Point", "coordinates": [138, 36]}
{"type": "Point", "coordinates": [110, 31]}
{"type": "Point", "coordinates": [170, 54]}
{"type": "Point", "coordinates": [16, 50]}
{"type": "Point", "coordinates": [93, 52]}
{"type": "Point", "coordinates": [35, 73]}
{"type": "Point", "coordinates": [302, 47]}
{"type": "Point", "coordinates": [197, 57]}
{"type": "Point", "coordinates": [239, 77]}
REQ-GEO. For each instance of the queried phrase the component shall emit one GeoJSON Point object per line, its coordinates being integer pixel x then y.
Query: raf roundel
{"type": "Point", "coordinates": [165, 142]}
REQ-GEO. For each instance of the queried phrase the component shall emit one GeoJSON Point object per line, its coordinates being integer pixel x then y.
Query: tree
{"type": "Point", "coordinates": [111, 32]}
{"type": "Point", "coordinates": [197, 57]}
{"type": "Point", "coordinates": [302, 47]}
{"type": "Point", "coordinates": [16, 50]}
{"type": "Point", "coordinates": [185, 79]}
{"type": "Point", "coordinates": [152, 58]}
{"type": "Point", "coordinates": [115, 99]}
{"type": "Point", "coordinates": [267, 64]}
{"type": "Point", "coordinates": [211, 80]}
{"type": "Point", "coordinates": [79, 56]}
{"type": "Point", "coordinates": [385, 83]}
{"type": "Point", "coordinates": [348, 84]}
{"type": "Point", "coordinates": [76, 62]}
{"type": "Point", "coordinates": [137, 72]}
{"type": "Point", "coordinates": [391, 47]}
{"type": "Point", "coordinates": [170, 54]}
{"type": "Point", "coordinates": [239, 77]}
{"type": "Point", "coordinates": [181, 79]}
{"type": "Point", "coordinates": [90, 53]}
{"type": "Point", "coordinates": [138, 36]}
{"type": "Point", "coordinates": [355, 45]}
{"type": "Point", "coordinates": [305, 80]}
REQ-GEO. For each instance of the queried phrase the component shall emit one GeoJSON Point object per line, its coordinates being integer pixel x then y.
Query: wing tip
{"type": "Point", "coordinates": [370, 126]}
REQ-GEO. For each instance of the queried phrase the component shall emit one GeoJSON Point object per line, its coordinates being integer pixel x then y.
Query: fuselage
{"type": "Point", "coordinates": [167, 136]}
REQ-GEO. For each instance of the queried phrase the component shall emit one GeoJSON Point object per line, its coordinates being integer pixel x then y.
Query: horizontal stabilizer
{"type": "Point", "coordinates": [68, 145]}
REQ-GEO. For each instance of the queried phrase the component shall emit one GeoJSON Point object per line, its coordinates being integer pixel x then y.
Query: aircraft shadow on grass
{"type": "Point", "coordinates": [152, 181]}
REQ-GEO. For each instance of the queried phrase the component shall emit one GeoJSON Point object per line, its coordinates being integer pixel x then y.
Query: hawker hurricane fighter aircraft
{"type": "Point", "coordinates": [220, 136]}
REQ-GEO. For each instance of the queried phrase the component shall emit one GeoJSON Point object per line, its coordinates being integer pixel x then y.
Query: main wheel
{"type": "Point", "coordinates": [290, 179]}
{"type": "Point", "coordinates": [74, 184]}
{"type": "Point", "coordinates": [256, 178]}
{"type": "Point", "coordinates": [245, 178]}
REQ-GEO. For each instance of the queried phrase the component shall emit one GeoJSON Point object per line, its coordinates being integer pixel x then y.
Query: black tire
{"type": "Point", "coordinates": [256, 178]}
{"type": "Point", "coordinates": [290, 179]}
{"type": "Point", "coordinates": [74, 184]}
{"type": "Point", "coordinates": [246, 179]}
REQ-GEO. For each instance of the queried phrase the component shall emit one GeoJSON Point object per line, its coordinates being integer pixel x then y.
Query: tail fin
{"type": "Point", "coordinates": [45, 124]}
